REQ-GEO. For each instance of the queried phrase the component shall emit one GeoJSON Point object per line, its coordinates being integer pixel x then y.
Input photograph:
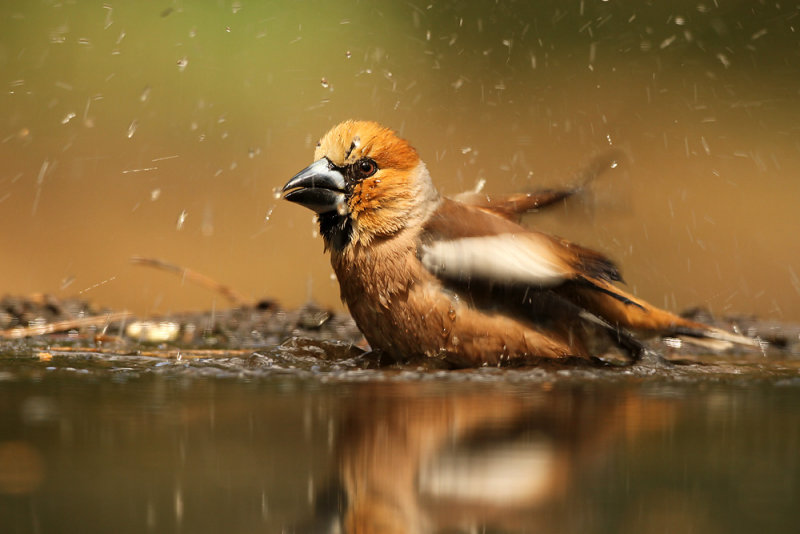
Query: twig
{"type": "Point", "coordinates": [165, 354]}
{"type": "Point", "coordinates": [236, 298]}
{"type": "Point", "coordinates": [60, 326]}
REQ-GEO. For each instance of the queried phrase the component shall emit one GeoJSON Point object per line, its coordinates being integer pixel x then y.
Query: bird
{"type": "Point", "coordinates": [460, 281]}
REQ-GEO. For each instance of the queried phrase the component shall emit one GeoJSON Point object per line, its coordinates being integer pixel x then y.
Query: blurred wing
{"type": "Point", "coordinates": [513, 206]}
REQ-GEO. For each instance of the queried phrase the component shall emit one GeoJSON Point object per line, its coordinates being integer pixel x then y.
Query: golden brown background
{"type": "Point", "coordinates": [117, 120]}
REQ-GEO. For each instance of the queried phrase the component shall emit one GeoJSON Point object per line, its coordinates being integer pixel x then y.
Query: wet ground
{"type": "Point", "coordinates": [269, 420]}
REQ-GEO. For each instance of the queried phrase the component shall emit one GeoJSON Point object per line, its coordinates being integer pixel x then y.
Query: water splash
{"type": "Point", "coordinates": [181, 220]}
{"type": "Point", "coordinates": [39, 182]}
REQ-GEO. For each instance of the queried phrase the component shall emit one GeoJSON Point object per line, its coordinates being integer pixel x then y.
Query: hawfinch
{"type": "Point", "coordinates": [460, 280]}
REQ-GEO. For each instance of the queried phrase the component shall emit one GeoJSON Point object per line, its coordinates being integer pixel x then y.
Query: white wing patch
{"type": "Point", "coordinates": [504, 258]}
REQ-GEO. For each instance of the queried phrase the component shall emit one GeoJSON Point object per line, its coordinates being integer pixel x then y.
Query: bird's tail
{"type": "Point", "coordinates": [623, 310]}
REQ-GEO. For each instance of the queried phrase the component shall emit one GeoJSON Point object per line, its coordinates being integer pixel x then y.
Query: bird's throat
{"type": "Point", "coordinates": [336, 230]}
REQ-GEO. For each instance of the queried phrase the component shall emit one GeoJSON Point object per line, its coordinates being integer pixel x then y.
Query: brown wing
{"type": "Point", "coordinates": [513, 206]}
{"type": "Point", "coordinates": [500, 263]}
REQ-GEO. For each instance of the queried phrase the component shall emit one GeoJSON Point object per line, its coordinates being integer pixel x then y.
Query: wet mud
{"type": "Point", "coordinates": [265, 337]}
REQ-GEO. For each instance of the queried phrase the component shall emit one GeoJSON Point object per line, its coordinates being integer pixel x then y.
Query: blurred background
{"type": "Point", "coordinates": [163, 129]}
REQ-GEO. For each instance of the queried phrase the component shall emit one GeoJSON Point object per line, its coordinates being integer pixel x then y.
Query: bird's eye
{"type": "Point", "coordinates": [365, 168]}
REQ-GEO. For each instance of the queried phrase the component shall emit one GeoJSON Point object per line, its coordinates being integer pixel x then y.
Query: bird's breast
{"type": "Point", "coordinates": [405, 311]}
{"type": "Point", "coordinates": [398, 305]}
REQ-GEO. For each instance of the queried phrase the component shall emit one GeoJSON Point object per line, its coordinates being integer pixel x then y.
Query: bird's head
{"type": "Point", "coordinates": [366, 183]}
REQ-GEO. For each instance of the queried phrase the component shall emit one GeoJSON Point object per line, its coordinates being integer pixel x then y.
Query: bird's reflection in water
{"type": "Point", "coordinates": [416, 459]}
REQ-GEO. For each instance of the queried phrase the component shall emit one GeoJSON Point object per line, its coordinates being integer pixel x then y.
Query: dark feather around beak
{"type": "Point", "coordinates": [319, 187]}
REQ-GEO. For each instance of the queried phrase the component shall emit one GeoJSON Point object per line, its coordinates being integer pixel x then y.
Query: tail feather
{"type": "Point", "coordinates": [724, 339]}
{"type": "Point", "coordinates": [626, 311]}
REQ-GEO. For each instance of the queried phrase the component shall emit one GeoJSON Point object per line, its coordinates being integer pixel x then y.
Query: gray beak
{"type": "Point", "coordinates": [319, 187]}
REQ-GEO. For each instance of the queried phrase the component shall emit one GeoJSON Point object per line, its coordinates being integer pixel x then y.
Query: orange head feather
{"type": "Point", "coordinates": [395, 193]}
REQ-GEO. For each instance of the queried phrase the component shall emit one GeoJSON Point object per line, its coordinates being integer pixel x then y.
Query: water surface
{"type": "Point", "coordinates": [98, 443]}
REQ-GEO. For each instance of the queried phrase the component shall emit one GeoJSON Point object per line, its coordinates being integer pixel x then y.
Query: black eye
{"type": "Point", "coordinates": [365, 167]}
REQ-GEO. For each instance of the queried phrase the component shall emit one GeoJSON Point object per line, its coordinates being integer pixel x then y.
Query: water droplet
{"type": "Point", "coordinates": [348, 54]}
{"type": "Point", "coordinates": [155, 194]}
{"type": "Point", "coordinates": [145, 96]}
{"type": "Point", "coordinates": [181, 220]}
{"type": "Point", "coordinates": [182, 63]}
{"type": "Point", "coordinates": [451, 313]}
{"type": "Point", "coordinates": [228, 29]}
{"type": "Point", "coordinates": [445, 332]}
{"type": "Point", "coordinates": [66, 282]}
{"type": "Point", "coordinates": [132, 128]}
{"type": "Point", "coordinates": [207, 226]}
{"type": "Point", "coordinates": [324, 83]}
{"type": "Point", "coordinates": [58, 36]}
{"type": "Point", "coordinates": [108, 21]}
{"type": "Point", "coordinates": [68, 117]}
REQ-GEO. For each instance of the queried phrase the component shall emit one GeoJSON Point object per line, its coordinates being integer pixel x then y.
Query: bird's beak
{"type": "Point", "coordinates": [319, 187]}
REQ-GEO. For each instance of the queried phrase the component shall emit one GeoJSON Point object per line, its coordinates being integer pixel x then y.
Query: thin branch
{"type": "Point", "coordinates": [235, 298]}
{"type": "Point", "coordinates": [61, 326]}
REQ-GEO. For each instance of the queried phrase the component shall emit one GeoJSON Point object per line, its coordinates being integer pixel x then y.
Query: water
{"type": "Point", "coordinates": [111, 443]}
